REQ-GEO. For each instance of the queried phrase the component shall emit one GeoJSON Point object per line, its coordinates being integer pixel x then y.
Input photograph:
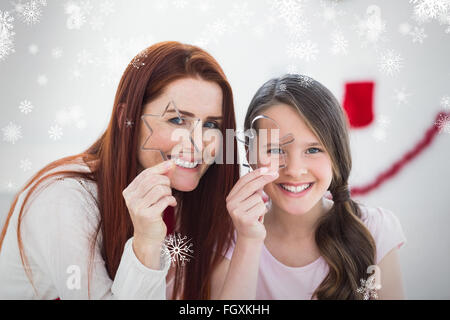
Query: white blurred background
{"type": "Point", "coordinates": [60, 69]}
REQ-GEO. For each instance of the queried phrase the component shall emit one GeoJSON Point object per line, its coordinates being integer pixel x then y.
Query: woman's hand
{"type": "Point", "coordinates": [246, 206]}
{"type": "Point", "coordinates": [146, 197]}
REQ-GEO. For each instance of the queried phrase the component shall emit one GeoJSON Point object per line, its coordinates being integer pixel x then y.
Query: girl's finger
{"type": "Point", "coordinates": [243, 181]}
{"type": "Point", "coordinates": [250, 202]}
{"type": "Point", "coordinates": [255, 185]}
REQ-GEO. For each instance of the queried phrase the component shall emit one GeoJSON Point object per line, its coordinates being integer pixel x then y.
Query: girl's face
{"type": "Point", "coordinates": [194, 98]}
{"type": "Point", "coordinates": [308, 165]}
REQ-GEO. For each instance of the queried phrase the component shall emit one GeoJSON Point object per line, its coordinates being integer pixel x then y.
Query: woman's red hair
{"type": "Point", "coordinates": [113, 161]}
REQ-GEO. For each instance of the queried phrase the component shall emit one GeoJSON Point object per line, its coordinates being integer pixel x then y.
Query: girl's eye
{"type": "Point", "coordinates": [178, 121]}
{"type": "Point", "coordinates": [211, 125]}
{"type": "Point", "coordinates": [275, 151]}
{"type": "Point", "coordinates": [314, 150]}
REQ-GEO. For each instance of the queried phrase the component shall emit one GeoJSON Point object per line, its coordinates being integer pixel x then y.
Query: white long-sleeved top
{"type": "Point", "coordinates": [57, 231]}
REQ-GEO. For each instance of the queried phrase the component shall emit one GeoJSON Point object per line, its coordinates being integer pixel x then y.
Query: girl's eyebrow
{"type": "Point", "coordinates": [313, 144]}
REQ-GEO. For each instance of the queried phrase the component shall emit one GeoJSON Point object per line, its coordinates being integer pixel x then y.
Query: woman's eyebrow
{"type": "Point", "coordinates": [190, 114]}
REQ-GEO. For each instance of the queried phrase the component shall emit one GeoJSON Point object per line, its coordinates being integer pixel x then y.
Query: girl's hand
{"type": "Point", "coordinates": [246, 206]}
{"type": "Point", "coordinates": [146, 197]}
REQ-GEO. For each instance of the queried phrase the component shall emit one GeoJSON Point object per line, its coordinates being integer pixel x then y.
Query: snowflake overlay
{"type": "Point", "coordinates": [368, 288]}
{"type": "Point", "coordinates": [390, 62]}
{"type": "Point", "coordinates": [6, 34]}
{"type": "Point", "coordinates": [443, 123]}
{"type": "Point", "coordinates": [26, 107]}
{"type": "Point", "coordinates": [12, 132]}
{"type": "Point", "coordinates": [178, 248]}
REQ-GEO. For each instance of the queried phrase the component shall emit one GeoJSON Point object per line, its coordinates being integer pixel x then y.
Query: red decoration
{"type": "Point", "coordinates": [389, 173]}
{"type": "Point", "coordinates": [358, 103]}
{"type": "Point", "coordinates": [169, 219]}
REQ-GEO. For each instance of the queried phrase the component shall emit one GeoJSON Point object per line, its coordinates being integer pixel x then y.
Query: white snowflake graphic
{"type": "Point", "coordinates": [129, 123]}
{"type": "Point", "coordinates": [367, 288]}
{"type": "Point", "coordinates": [6, 21]}
{"type": "Point", "coordinates": [304, 80]}
{"type": "Point", "coordinates": [404, 28]}
{"type": "Point", "coordinates": [379, 134]}
{"type": "Point", "coordinates": [57, 53]}
{"type": "Point", "coordinates": [9, 185]}
{"type": "Point", "coordinates": [372, 27]}
{"type": "Point", "coordinates": [445, 102]}
{"type": "Point", "coordinates": [25, 165]}
{"type": "Point", "coordinates": [401, 96]}
{"type": "Point", "coordinates": [292, 69]}
{"type": "Point", "coordinates": [290, 11]}
{"type": "Point", "coordinates": [76, 14]}
{"type": "Point", "coordinates": [97, 22]}
{"type": "Point", "coordinates": [204, 6]}
{"type": "Point", "coordinates": [137, 60]}
{"type": "Point", "coordinates": [6, 44]}
{"type": "Point", "coordinates": [306, 51]}
{"type": "Point", "coordinates": [26, 107]}
{"type": "Point", "coordinates": [390, 62]}
{"type": "Point", "coordinates": [383, 121]}
{"type": "Point", "coordinates": [418, 35]}
{"type": "Point", "coordinates": [12, 132]}
{"type": "Point", "coordinates": [31, 12]}
{"type": "Point", "coordinates": [84, 58]}
{"type": "Point", "coordinates": [55, 132]}
{"type": "Point", "coordinates": [340, 44]}
{"type": "Point", "coordinates": [329, 12]}
{"type": "Point", "coordinates": [178, 248]}
{"type": "Point", "coordinates": [430, 9]}
{"type": "Point", "coordinates": [283, 87]}
{"type": "Point", "coordinates": [42, 80]}
{"type": "Point", "coordinates": [443, 123]}
{"type": "Point", "coordinates": [107, 7]}
{"type": "Point", "coordinates": [33, 49]}
{"type": "Point", "coordinates": [240, 14]}
{"type": "Point", "coordinates": [179, 4]}
{"type": "Point", "coordinates": [6, 35]}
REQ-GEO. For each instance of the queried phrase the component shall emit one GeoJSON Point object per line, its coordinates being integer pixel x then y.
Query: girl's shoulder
{"type": "Point", "coordinates": [385, 228]}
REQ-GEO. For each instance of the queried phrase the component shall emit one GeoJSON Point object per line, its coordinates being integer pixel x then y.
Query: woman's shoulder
{"type": "Point", "coordinates": [385, 228]}
{"type": "Point", "coordinates": [61, 194]}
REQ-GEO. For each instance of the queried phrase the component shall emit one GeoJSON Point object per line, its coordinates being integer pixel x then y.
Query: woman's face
{"type": "Point", "coordinates": [308, 165]}
{"type": "Point", "coordinates": [194, 98]}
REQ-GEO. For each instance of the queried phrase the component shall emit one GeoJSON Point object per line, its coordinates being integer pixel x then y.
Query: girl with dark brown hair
{"type": "Point", "coordinates": [303, 245]}
{"type": "Point", "coordinates": [91, 225]}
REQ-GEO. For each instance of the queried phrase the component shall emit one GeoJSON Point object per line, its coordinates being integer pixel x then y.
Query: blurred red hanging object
{"type": "Point", "coordinates": [358, 103]}
{"type": "Point", "coordinates": [169, 219]}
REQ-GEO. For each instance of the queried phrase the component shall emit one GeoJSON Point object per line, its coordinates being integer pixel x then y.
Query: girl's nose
{"type": "Point", "coordinates": [295, 168]}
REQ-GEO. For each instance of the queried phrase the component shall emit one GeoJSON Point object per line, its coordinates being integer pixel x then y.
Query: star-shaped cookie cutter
{"type": "Point", "coordinates": [193, 121]}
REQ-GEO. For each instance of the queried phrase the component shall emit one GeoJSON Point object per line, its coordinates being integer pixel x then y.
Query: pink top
{"type": "Point", "coordinates": [278, 281]}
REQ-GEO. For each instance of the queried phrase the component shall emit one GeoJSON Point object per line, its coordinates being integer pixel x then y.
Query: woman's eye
{"type": "Point", "coordinates": [178, 121]}
{"type": "Point", "coordinates": [314, 150]}
{"type": "Point", "coordinates": [211, 125]}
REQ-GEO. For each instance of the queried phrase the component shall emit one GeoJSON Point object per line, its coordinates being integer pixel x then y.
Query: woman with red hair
{"type": "Point", "coordinates": [92, 225]}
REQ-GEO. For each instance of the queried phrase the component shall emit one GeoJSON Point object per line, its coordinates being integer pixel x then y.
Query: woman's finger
{"type": "Point", "coordinates": [157, 192]}
{"type": "Point", "coordinates": [147, 185]}
{"type": "Point", "coordinates": [161, 168]}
